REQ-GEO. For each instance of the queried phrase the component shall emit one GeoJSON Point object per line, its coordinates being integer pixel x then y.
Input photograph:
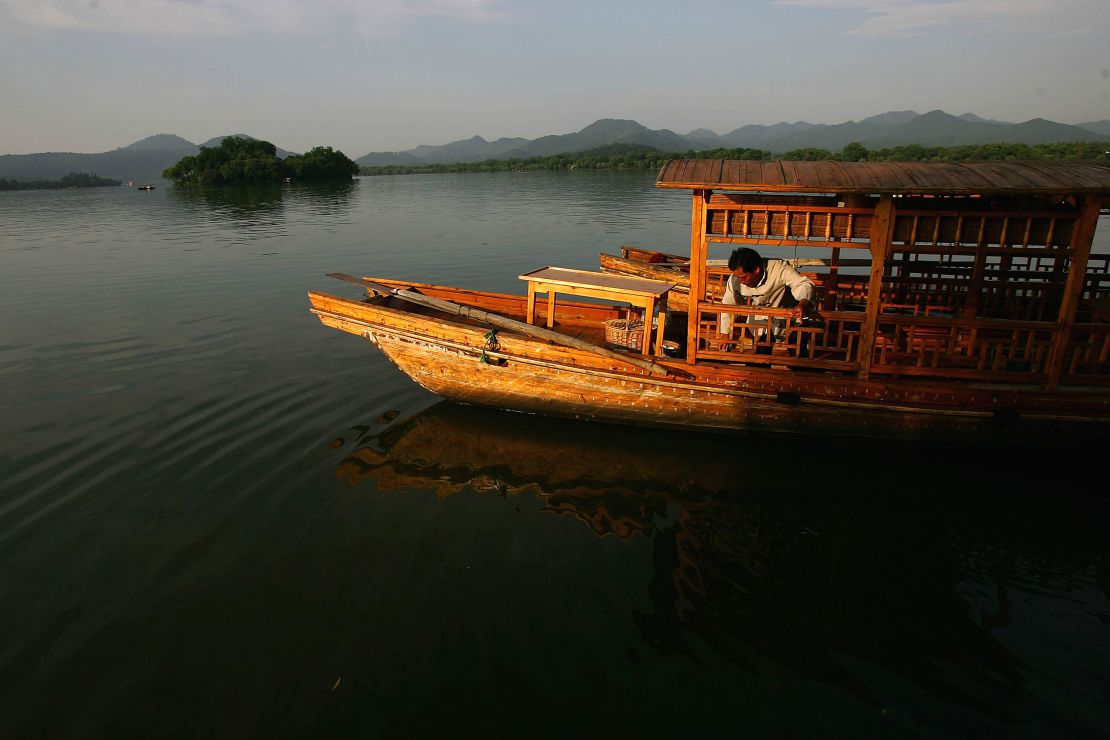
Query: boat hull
{"type": "Point", "coordinates": [517, 384]}
{"type": "Point", "coordinates": [521, 374]}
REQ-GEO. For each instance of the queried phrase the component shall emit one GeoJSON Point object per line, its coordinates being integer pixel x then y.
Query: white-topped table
{"type": "Point", "coordinates": [640, 292]}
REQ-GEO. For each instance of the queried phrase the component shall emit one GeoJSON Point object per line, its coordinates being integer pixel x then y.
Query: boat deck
{"type": "Point", "coordinates": [588, 330]}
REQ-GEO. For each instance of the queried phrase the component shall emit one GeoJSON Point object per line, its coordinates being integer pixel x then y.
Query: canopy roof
{"type": "Point", "coordinates": [957, 178]}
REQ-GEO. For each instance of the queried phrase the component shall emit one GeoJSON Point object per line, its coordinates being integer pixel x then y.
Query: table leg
{"type": "Point", "coordinates": [550, 308]}
{"type": "Point", "coordinates": [649, 309]}
{"type": "Point", "coordinates": [531, 315]}
{"type": "Point", "coordinates": [662, 325]}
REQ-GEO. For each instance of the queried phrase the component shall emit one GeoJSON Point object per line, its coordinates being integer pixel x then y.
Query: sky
{"type": "Point", "coordinates": [388, 75]}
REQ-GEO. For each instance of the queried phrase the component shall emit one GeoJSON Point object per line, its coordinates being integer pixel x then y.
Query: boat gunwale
{"type": "Point", "coordinates": [737, 380]}
{"type": "Point", "coordinates": [423, 339]}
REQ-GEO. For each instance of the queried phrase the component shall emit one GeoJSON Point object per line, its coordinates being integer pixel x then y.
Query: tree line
{"type": "Point", "coordinates": [253, 161]}
{"type": "Point", "coordinates": [72, 180]}
{"type": "Point", "coordinates": [638, 157]}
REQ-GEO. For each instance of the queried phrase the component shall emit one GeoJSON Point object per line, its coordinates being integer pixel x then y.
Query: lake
{"type": "Point", "coordinates": [219, 518]}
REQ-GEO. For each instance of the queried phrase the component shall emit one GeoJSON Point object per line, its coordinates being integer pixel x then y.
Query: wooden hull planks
{"type": "Point", "coordinates": [445, 356]}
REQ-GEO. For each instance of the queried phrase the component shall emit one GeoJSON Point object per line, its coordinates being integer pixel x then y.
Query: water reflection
{"type": "Point", "coordinates": [172, 542]}
{"type": "Point", "coordinates": [323, 199]}
{"type": "Point", "coordinates": [245, 202]}
{"type": "Point", "coordinates": [262, 211]}
{"type": "Point", "coordinates": [249, 201]}
{"type": "Point", "coordinates": [834, 562]}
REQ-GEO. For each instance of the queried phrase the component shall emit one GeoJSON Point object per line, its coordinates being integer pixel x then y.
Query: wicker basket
{"type": "Point", "coordinates": [624, 333]}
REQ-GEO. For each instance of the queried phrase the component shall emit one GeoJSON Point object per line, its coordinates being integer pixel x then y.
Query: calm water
{"type": "Point", "coordinates": [220, 519]}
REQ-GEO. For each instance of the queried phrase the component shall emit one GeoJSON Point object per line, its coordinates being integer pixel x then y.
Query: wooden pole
{"type": "Point", "coordinates": [1082, 236]}
{"type": "Point", "coordinates": [882, 248]}
{"type": "Point", "coordinates": [697, 273]}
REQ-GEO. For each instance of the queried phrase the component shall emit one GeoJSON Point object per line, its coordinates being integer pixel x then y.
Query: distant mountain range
{"type": "Point", "coordinates": [146, 159]}
{"type": "Point", "coordinates": [143, 160]}
{"type": "Point", "coordinates": [894, 128]}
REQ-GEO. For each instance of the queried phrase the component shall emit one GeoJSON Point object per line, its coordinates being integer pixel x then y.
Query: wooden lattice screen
{"type": "Point", "coordinates": [967, 287]}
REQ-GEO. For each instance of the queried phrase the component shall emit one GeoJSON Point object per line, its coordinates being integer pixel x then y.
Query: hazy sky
{"type": "Point", "coordinates": [383, 75]}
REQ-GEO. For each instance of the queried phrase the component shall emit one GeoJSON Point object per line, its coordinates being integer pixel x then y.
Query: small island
{"type": "Point", "coordinates": [72, 180]}
{"type": "Point", "coordinates": [240, 161]}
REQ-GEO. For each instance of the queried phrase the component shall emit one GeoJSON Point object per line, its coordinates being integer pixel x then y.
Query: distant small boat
{"type": "Point", "coordinates": [145, 187]}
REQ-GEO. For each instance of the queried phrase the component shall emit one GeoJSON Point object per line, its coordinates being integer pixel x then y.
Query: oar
{"type": "Point", "coordinates": [503, 322]}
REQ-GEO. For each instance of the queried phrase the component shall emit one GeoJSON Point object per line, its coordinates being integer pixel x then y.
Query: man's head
{"type": "Point", "coordinates": [747, 266]}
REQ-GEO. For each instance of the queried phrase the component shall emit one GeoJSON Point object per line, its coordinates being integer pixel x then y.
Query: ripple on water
{"type": "Point", "coordinates": [174, 522]}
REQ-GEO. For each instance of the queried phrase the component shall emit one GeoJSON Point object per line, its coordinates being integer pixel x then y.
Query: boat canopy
{"type": "Point", "coordinates": [977, 271]}
{"type": "Point", "coordinates": [895, 178]}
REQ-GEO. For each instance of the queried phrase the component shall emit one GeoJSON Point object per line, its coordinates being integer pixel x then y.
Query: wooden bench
{"type": "Point", "coordinates": [639, 292]}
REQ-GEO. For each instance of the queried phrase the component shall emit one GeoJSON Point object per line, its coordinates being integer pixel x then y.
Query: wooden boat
{"type": "Point", "coordinates": [145, 187]}
{"type": "Point", "coordinates": [980, 308]}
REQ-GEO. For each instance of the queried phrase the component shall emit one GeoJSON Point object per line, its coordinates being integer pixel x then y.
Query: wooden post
{"type": "Point", "coordinates": [975, 287]}
{"type": "Point", "coordinates": [882, 247]}
{"type": "Point", "coordinates": [698, 248]}
{"type": "Point", "coordinates": [1083, 235]}
{"type": "Point", "coordinates": [531, 315]}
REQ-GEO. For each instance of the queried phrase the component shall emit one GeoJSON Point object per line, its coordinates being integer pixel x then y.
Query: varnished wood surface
{"type": "Point", "coordinates": [495, 320]}
{"type": "Point", "coordinates": [949, 178]}
{"type": "Point", "coordinates": [643, 294]}
{"type": "Point", "coordinates": [443, 354]}
{"type": "Point", "coordinates": [614, 284]}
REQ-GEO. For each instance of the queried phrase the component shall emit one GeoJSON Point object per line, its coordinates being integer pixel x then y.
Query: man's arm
{"type": "Point", "coordinates": [801, 288]}
{"type": "Point", "coordinates": [724, 324]}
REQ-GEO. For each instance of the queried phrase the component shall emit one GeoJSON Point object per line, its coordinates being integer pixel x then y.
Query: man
{"type": "Point", "coordinates": [773, 283]}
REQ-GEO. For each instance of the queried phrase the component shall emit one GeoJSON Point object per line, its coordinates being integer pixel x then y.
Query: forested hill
{"type": "Point", "coordinates": [634, 157]}
{"type": "Point", "coordinates": [891, 129]}
{"type": "Point", "coordinates": [144, 160]}
{"type": "Point", "coordinates": [148, 158]}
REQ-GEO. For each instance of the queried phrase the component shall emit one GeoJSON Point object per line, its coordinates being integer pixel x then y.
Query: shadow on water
{"type": "Point", "coordinates": [839, 562]}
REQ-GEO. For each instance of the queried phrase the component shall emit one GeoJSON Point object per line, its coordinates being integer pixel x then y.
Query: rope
{"type": "Point", "coordinates": [492, 345]}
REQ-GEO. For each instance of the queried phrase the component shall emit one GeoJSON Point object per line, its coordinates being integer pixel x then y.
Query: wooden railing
{"type": "Point", "coordinates": [1087, 357]}
{"type": "Point", "coordinates": [906, 344]}
{"type": "Point", "coordinates": [790, 224]}
{"type": "Point", "coordinates": [923, 228]}
{"type": "Point", "coordinates": [980, 349]}
{"type": "Point", "coordinates": [831, 344]}
{"type": "Point", "coordinates": [962, 291]}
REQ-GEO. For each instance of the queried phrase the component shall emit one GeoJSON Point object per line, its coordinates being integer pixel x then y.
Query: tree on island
{"type": "Point", "coordinates": [321, 163]}
{"type": "Point", "coordinates": [251, 161]}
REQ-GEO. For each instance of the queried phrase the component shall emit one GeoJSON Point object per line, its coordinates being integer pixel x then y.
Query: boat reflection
{"type": "Point", "coordinates": [785, 555]}
{"type": "Point", "coordinates": [613, 479]}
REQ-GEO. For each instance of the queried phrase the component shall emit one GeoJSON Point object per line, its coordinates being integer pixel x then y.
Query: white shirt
{"type": "Point", "coordinates": [778, 276]}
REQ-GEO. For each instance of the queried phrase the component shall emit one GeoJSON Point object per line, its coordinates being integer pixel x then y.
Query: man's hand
{"type": "Point", "coordinates": [805, 311]}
